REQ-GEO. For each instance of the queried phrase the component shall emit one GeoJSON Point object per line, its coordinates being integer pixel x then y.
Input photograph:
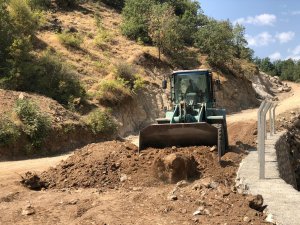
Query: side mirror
{"type": "Point", "coordinates": [164, 84]}
{"type": "Point", "coordinates": [218, 84]}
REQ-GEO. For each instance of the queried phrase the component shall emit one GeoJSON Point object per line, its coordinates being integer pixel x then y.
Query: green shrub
{"type": "Point", "coordinates": [25, 21]}
{"type": "Point", "coordinates": [9, 132]}
{"type": "Point", "coordinates": [100, 66]}
{"type": "Point", "coordinates": [35, 124]}
{"type": "Point", "coordinates": [103, 37]}
{"type": "Point", "coordinates": [113, 92]}
{"type": "Point", "coordinates": [70, 39]}
{"type": "Point", "coordinates": [138, 83]}
{"type": "Point", "coordinates": [127, 73]}
{"type": "Point", "coordinates": [56, 79]}
{"type": "Point", "coordinates": [101, 122]}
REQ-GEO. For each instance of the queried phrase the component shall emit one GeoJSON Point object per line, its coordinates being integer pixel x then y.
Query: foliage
{"type": "Point", "coordinates": [25, 21]}
{"type": "Point", "coordinates": [164, 30]}
{"type": "Point", "coordinates": [103, 37]}
{"type": "Point", "coordinates": [101, 122]}
{"type": "Point", "coordinates": [70, 39]}
{"type": "Point", "coordinates": [190, 17]}
{"type": "Point", "coordinates": [49, 76]}
{"type": "Point", "coordinates": [113, 92]}
{"type": "Point", "coordinates": [136, 15]}
{"type": "Point", "coordinates": [128, 75]}
{"type": "Point", "coordinates": [56, 79]}
{"type": "Point", "coordinates": [216, 40]}
{"type": "Point", "coordinates": [138, 83]}
{"type": "Point", "coordinates": [286, 69]}
{"type": "Point", "coordinates": [9, 132]}
{"type": "Point", "coordinates": [241, 51]}
{"type": "Point", "coordinates": [6, 35]}
{"type": "Point", "coordinates": [35, 124]}
{"type": "Point", "coordinates": [18, 25]}
{"type": "Point", "coordinates": [135, 19]}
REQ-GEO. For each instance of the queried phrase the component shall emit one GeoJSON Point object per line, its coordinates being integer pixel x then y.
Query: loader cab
{"type": "Point", "coordinates": [192, 87]}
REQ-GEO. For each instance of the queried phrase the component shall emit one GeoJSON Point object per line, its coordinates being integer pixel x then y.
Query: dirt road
{"type": "Point", "coordinates": [288, 101]}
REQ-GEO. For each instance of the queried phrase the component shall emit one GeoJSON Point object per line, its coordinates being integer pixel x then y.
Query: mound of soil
{"type": "Point", "coordinates": [113, 164]}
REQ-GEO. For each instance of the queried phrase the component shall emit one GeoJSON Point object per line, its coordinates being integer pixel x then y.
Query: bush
{"type": "Point", "coordinates": [56, 80]}
{"type": "Point", "coordinates": [113, 92]}
{"type": "Point", "coordinates": [9, 132]}
{"type": "Point", "coordinates": [103, 37]}
{"type": "Point", "coordinates": [70, 39]}
{"type": "Point", "coordinates": [127, 73]}
{"type": "Point", "coordinates": [25, 21]}
{"type": "Point", "coordinates": [35, 124]}
{"type": "Point", "coordinates": [101, 122]}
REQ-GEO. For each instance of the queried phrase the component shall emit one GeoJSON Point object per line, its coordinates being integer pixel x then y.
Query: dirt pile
{"type": "Point", "coordinates": [129, 185]}
{"type": "Point", "coordinates": [114, 164]}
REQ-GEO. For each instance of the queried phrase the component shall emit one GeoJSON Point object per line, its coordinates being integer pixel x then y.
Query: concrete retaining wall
{"type": "Point", "coordinates": [284, 161]}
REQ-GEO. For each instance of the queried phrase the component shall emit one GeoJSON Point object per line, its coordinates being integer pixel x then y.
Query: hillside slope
{"type": "Point", "coordinates": [104, 48]}
{"type": "Point", "coordinates": [94, 63]}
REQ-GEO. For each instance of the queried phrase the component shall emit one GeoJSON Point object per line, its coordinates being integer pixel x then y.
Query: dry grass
{"type": "Point", "coordinates": [91, 62]}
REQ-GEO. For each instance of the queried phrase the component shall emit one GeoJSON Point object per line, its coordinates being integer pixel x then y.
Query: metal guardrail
{"type": "Point", "coordinates": [264, 108]}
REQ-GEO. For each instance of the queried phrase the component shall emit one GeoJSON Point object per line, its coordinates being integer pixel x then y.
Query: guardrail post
{"type": "Point", "coordinates": [274, 118]}
{"type": "Point", "coordinates": [262, 141]}
{"type": "Point", "coordinates": [262, 132]}
{"type": "Point", "coordinates": [271, 118]}
{"type": "Point", "coordinates": [267, 108]}
{"type": "Point", "coordinates": [259, 127]}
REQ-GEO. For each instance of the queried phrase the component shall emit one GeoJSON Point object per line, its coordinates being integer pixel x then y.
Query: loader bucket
{"type": "Point", "coordinates": [179, 134]}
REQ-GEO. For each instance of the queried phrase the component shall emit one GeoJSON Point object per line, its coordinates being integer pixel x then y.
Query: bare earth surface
{"type": "Point", "coordinates": [110, 183]}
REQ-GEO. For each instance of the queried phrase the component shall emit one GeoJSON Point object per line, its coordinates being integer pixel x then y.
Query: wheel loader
{"type": "Point", "coordinates": [193, 119]}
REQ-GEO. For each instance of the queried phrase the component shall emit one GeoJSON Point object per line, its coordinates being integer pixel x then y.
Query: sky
{"type": "Point", "coordinates": [272, 26]}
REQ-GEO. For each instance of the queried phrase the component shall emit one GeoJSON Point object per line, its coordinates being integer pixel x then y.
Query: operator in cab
{"type": "Point", "coordinates": [193, 88]}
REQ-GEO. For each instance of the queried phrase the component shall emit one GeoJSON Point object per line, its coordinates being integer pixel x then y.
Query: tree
{"type": "Point", "coordinates": [190, 17]}
{"type": "Point", "coordinates": [239, 41]}
{"type": "Point", "coordinates": [216, 39]}
{"type": "Point", "coordinates": [164, 30]}
{"type": "Point", "coordinates": [267, 66]}
{"type": "Point", "coordinates": [5, 35]}
{"type": "Point", "coordinates": [135, 19]}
